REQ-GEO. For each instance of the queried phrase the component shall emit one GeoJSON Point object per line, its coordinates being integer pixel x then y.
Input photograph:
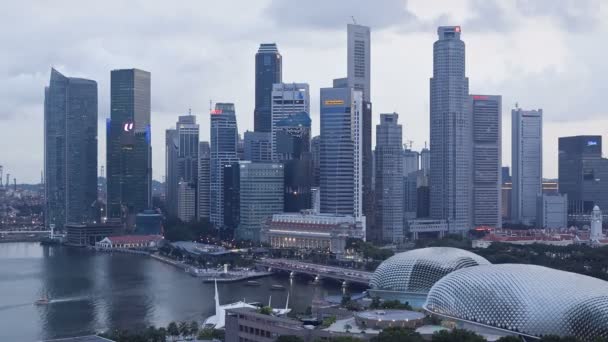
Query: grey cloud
{"type": "Point", "coordinates": [488, 16]}
{"type": "Point", "coordinates": [572, 15]}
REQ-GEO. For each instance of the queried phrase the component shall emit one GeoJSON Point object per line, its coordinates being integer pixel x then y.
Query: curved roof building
{"type": "Point", "coordinates": [524, 299]}
{"type": "Point", "coordinates": [409, 276]}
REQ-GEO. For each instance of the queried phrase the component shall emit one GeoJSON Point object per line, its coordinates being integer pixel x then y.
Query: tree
{"type": "Point", "coordinates": [184, 328]}
{"type": "Point", "coordinates": [397, 334]}
{"type": "Point", "coordinates": [375, 304]}
{"type": "Point", "coordinates": [172, 329]}
{"type": "Point", "coordinates": [193, 328]}
{"type": "Point", "coordinates": [289, 338]}
{"type": "Point", "coordinates": [509, 338]}
{"type": "Point", "coordinates": [457, 335]}
{"type": "Point", "coordinates": [265, 310]}
{"type": "Point", "coordinates": [347, 327]}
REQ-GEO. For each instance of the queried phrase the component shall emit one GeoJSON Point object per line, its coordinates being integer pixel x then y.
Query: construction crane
{"type": "Point", "coordinates": [408, 144]}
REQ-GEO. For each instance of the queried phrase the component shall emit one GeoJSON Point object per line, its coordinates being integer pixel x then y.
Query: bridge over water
{"type": "Point", "coordinates": [320, 271]}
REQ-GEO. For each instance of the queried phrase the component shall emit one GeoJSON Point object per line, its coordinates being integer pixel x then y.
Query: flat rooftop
{"type": "Point", "coordinates": [390, 315]}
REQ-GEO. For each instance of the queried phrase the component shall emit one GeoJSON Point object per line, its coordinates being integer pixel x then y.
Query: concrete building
{"type": "Point", "coordinates": [526, 163]}
{"type": "Point", "coordinates": [341, 152]}
{"type": "Point", "coordinates": [84, 235]}
{"type": "Point", "coordinates": [410, 195]}
{"type": "Point", "coordinates": [583, 173]}
{"type": "Point", "coordinates": [186, 201]}
{"type": "Point", "coordinates": [224, 136]}
{"type": "Point", "coordinates": [411, 161]}
{"type": "Point", "coordinates": [427, 228]}
{"type": "Point", "coordinates": [288, 99]}
{"type": "Point", "coordinates": [203, 185]}
{"type": "Point", "coordinates": [149, 222]}
{"type": "Point", "coordinates": [171, 170]}
{"type": "Point", "coordinates": [425, 160]}
{"type": "Point", "coordinates": [129, 149]}
{"type": "Point", "coordinates": [182, 160]}
{"type": "Point", "coordinates": [258, 147]}
{"type": "Point", "coordinates": [389, 178]}
{"type": "Point", "coordinates": [70, 150]}
{"type": "Point", "coordinates": [486, 111]}
{"type": "Point", "coordinates": [231, 186]}
{"type": "Point", "coordinates": [552, 211]}
{"type": "Point", "coordinates": [315, 151]}
{"type": "Point", "coordinates": [451, 182]}
{"type": "Point", "coordinates": [268, 71]}
{"type": "Point", "coordinates": [310, 230]}
{"type": "Point", "coordinates": [261, 196]}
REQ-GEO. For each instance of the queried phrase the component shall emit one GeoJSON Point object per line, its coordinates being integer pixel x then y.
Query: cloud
{"type": "Point", "coordinates": [488, 16]}
{"type": "Point", "coordinates": [332, 15]}
{"type": "Point", "coordinates": [572, 15]}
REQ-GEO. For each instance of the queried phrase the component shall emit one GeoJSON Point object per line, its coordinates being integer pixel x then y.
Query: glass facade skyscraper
{"type": "Point", "coordinates": [224, 141]}
{"type": "Point", "coordinates": [450, 122]}
{"type": "Point", "coordinates": [288, 99]}
{"type": "Point", "coordinates": [268, 71]}
{"type": "Point", "coordinates": [129, 152]}
{"type": "Point", "coordinates": [204, 165]}
{"type": "Point", "coordinates": [70, 149]}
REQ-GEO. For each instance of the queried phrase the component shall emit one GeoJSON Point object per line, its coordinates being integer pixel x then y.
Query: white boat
{"type": "Point", "coordinates": [42, 301]}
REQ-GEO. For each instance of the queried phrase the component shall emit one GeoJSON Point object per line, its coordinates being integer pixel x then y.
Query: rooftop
{"type": "Point", "coordinates": [134, 238]}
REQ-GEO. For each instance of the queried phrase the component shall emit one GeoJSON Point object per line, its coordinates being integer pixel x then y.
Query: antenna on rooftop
{"type": "Point", "coordinates": [353, 18]}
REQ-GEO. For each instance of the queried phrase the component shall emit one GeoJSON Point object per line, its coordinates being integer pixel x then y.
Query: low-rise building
{"type": "Point", "coordinates": [309, 230]}
{"type": "Point", "coordinates": [140, 242]}
{"type": "Point", "coordinates": [83, 235]}
{"type": "Point", "coordinates": [552, 211]}
{"type": "Point", "coordinates": [426, 228]}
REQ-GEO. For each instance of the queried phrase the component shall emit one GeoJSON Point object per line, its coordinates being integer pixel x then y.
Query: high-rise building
{"type": "Point", "coordinates": [287, 99]}
{"type": "Point", "coordinates": [315, 151]}
{"type": "Point", "coordinates": [186, 201]}
{"type": "Point", "coordinates": [224, 136]}
{"type": "Point", "coordinates": [129, 152]}
{"type": "Point", "coordinates": [261, 196]}
{"type": "Point", "coordinates": [526, 163]}
{"type": "Point", "coordinates": [425, 160]}
{"type": "Point", "coordinates": [552, 211]}
{"type": "Point", "coordinates": [389, 178]}
{"type": "Point", "coordinates": [583, 173]}
{"type": "Point", "coordinates": [231, 189]}
{"type": "Point", "coordinates": [70, 150]}
{"type": "Point", "coordinates": [257, 147]}
{"type": "Point", "coordinates": [182, 160]}
{"type": "Point", "coordinates": [268, 71]}
{"type": "Point", "coordinates": [487, 158]}
{"type": "Point", "coordinates": [451, 183]}
{"type": "Point", "coordinates": [204, 166]}
{"type": "Point", "coordinates": [411, 161]}
{"type": "Point", "coordinates": [359, 78]}
{"type": "Point", "coordinates": [341, 152]}
{"type": "Point", "coordinates": [506, 174]}
{"type": "Point", "coordinates": [171, 170]}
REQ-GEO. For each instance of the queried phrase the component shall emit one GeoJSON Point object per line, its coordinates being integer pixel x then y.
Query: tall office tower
{"type": "Point", "coordinates": [204, 165]}
{"type": "Point", "coordinates": [552, 211]}
{"type": "Point", "coordinates": [257, 147]}
{"type": "Point", "coordinates": [315, 151]}
{"type": "Point", "coordinates": [171, 170]}
{"type": "Point", "coordinates": [359, 77]}
{"type": "Point", "coordinates": [425, 160]}
{"type": "Point", "coordinates": [451, 181]}
{"type": "Point", "coordinates": [240, 147]}
{"type": "Point", "coordinates": [526, 163]}
{"type": "Point", "coordinates": [261, 196]}
{"type": "Point", "coordinates": [268, 71]}
{"type": "Point", "coordinates": [505, 174]}
{"type": "Point", "coordinates": [341, 152]}
{"type": "Point", "coordinates": [287, 99]}
{"type": "Point", "coordinates": [422, 194]}
{"type": "Point", "coordinates": [186, 201]}
{"type": "Point", "coordinates": [389, 178]}
{"type": "Point", "coordinates": [411, 161]}
{"type": "Point", "coordinates": [182, 160]}
{"type": "Point", "coordinates": [487, 159]}
{"type": "Point", "coordinates": [70, 149]}
{"type": "Point", "coordinates": [583, 173]}
{"type": "Point", "coordinates": [410, 195]}
{"type": "Point", "coordinates": [231, 190]}
{"type": "Point", "coordinates": [293, 149]}
{"type": "Point", "coordinates": [224, 138]}
{"type": "Point", "coordinates": [129, 153]}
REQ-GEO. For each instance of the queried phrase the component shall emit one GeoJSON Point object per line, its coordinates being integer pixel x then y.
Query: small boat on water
{"type": "Point", "coordinates": [42, 301]}
{"type": "Point", "coordinates": [253, 283]}
{"type": "Point", "coordinates": [277, 287]}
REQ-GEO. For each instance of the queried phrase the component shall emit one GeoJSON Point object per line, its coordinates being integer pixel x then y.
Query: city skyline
{"type": "Point", "coordinates": [493, 65]}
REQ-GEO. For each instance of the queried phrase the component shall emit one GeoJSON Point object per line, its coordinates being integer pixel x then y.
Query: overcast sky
{"type": "Point", "coordinates": [548, 54]}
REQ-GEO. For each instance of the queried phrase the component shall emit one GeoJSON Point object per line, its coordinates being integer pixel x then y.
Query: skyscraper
{"type": "Point", "coordinates": [583, 173]}
{"type": "Point", "coordinates": [359, 78]}
{"type": "Point", "coordinates": [287, 99]}
{"type": "Point", "coordinates": [411, 160]}
{"type": "Point", "coordinates": [487, 159]}
{"type": "Point", "coordinates": [70, 149]}
{"type": "Point", "coordinates": [224, 136]}
{"type": "Point", "coordinates": [341, 152]}
{"type": "Point", "coordinates": [315, 151]}
{"type": "Point", "coordinates": [129, 153]}
{"type": "Point", "coordinates": [389, 178]}
{"type": "Point", "coordinates": [526, 164]}
{"type": "Point", "coordinates": [261, 196]}
{"type": "Point", "coordinates": [451, 182]}
{"type": "Point", "coordinates": [182, 161]}
{"type": "Point", "coordinates": [204, 165]}
{"type": "Point", "coordinates": [425, 160]}
{"type": "Point", "coordinates": [186, 201]}
{"type": "Point", "coordinates": [257, 147]}
{"type": "Point", "coordinates": [268, 71]}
